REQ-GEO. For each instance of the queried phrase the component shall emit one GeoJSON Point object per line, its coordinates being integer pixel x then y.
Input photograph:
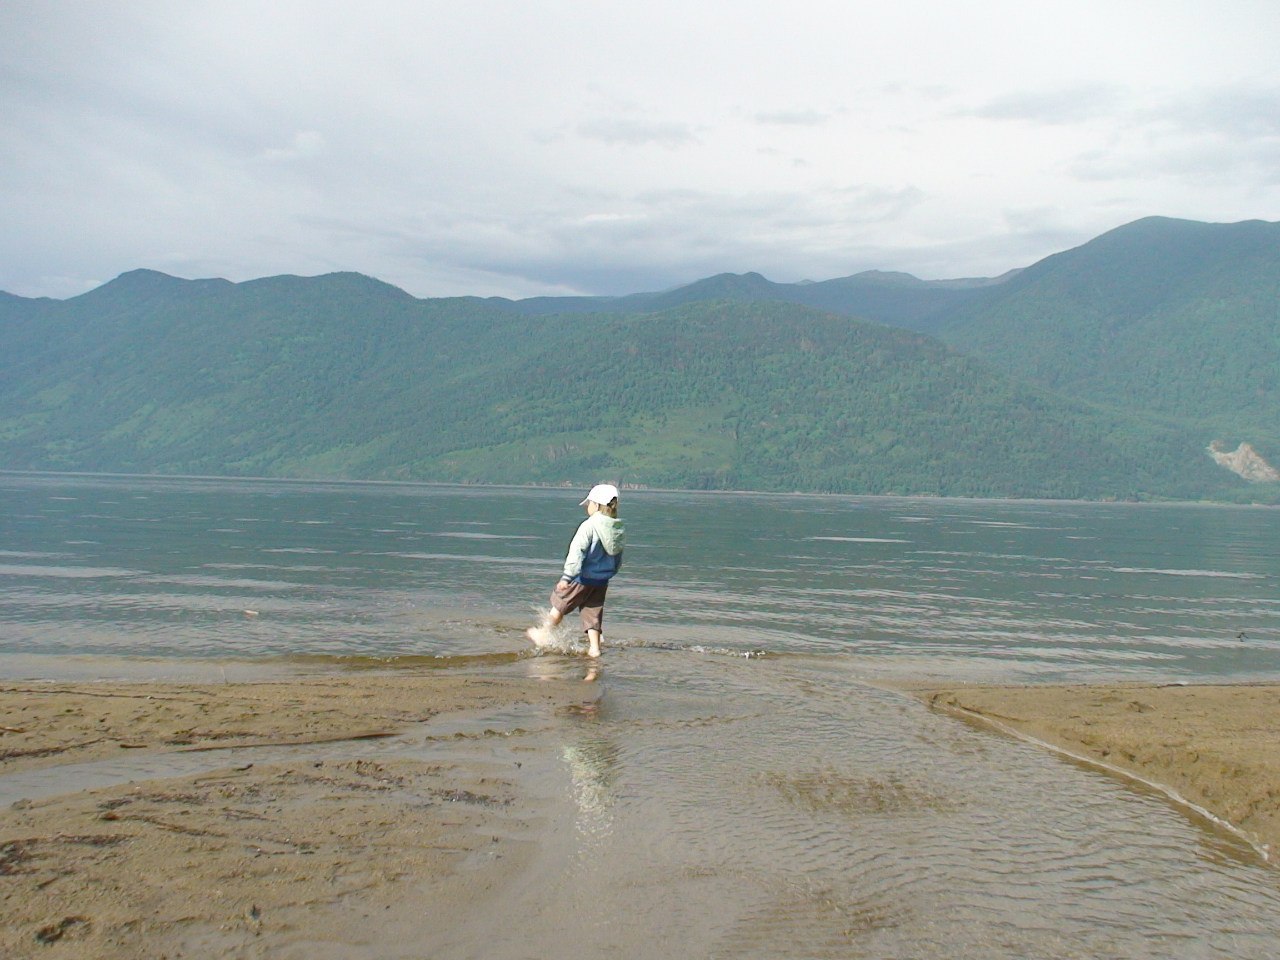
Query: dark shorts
{"type": "Point", "coordinates": [587, 599]}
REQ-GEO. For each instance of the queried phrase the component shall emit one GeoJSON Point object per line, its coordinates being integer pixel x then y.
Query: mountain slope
{"type": "Point", "coordinates": [1165, 318]}
{"type": "Point", "coordinates": [345, 376]}
{"type": "Point", "coordinates": [1177, 318]}
{"type": "Point", "coordinates": [150, 373]}
{"type": "Point", "coordinates": [776, 397]}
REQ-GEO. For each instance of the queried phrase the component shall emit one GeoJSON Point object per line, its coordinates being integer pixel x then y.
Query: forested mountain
{"type": "Point", "coordinates": [1167, 318]}
{"type": "Point", "coordinates": [1173, 317]}
{"type": "Point", "coordinates": [722, 384]}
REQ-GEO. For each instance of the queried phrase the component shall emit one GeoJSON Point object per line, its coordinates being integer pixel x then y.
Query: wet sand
{"type": "Point", "coordinates": [241, 855]}
{"type": "Point", "coordinates": [263, 858]}
{"type": "Point", "coordinates": [1216, 747]}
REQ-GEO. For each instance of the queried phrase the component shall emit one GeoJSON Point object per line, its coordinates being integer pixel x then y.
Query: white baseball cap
{"type": "Point", "coordinates": [602, 493]}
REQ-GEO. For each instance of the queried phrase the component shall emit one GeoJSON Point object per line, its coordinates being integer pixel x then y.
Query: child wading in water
{"type": "Point", "coordinates": [594, 556]}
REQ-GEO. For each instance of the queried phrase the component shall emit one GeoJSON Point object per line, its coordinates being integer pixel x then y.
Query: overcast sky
{"type": "Point", "coordinates": [539, 147]}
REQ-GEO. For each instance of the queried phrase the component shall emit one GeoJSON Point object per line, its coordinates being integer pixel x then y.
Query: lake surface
{"type": "Point", "coordinates": [742, 789]}
{"type": "Point", "coordinates": [998, 589]}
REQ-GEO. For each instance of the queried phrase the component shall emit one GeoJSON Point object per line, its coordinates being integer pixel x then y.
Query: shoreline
{"type": "Point", "coordinates": [324, 834]}
{"type": "Point", "coordinates": [1213, 748]}
{"type": "Point", "coordinates": [274, 819]}
{"type": "Point", "coordinates": [639, 488]}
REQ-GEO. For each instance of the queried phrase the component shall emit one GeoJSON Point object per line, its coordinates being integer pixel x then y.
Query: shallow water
{"type": "Point", "coordinates": [716, 803]}
{"type": "Point", "coordinates": [783, 809]}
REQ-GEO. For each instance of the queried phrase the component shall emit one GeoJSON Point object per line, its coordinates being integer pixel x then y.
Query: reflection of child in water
{"type": "Point", "coordinates": [594, 556]}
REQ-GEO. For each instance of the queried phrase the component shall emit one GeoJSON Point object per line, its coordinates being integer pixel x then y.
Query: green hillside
{"type": "Point", "coordinates": [344, 376]}
{"type": "Point", "coordinates": [776, 397]}
{"type": "Point", "coordinates": [150, 373]}
{"type": "Point", "coordinates": [1175, 318]}
{"type": "Point", "coordinates": [1172, 319]}
{"type": "Point", "coordinates": [1122, 361]}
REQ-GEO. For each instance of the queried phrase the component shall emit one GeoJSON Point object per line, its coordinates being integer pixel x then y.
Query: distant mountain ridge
{"type": "Point", "coordinates": [1105, 371]}
{"type": "Point", "coordinates": [896, 299]}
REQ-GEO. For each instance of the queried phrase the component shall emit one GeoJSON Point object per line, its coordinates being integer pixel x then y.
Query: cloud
{"type": "Point", "coordinates": [793, 118]}
{"type": "Point", "coordinates": [304, 144]}
{"type": "Point", "coordinates": [611, 244]}
{"type": "Point", "coordinates": [1222, 135]}
{"type": "Point", "coordinates": [1237, 112]}
{"type": "Point", "coordinates": [1240, 112]}
{"type": "Point", "coordinates": [616, 243]}
{"type": "Point", "coordinates": [410, 141]}
{"type": "Point", "coordinates": [1061, 106]}
{"type": "Point", "coordinates": [620, 131]}
{"type": "Point", "coordinates": [1197, 162]}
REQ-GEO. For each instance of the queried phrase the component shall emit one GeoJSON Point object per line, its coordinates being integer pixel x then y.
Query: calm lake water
{"type": "Point", "coordinates": [715, 803]}
{"type": "Point", "coordinates": [215, 569]}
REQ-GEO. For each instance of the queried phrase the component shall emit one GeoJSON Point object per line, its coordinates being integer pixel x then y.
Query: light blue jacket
{"type": "Point", "coordinates": [595, 553]}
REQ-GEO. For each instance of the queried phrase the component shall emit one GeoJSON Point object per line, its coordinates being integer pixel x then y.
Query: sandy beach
{"type": "Point", "coordinates": [1216, 747]}
{"type": "Point", "coordinates": [193, 865]}
{"type": "Point", "coordinates": [240, 857]}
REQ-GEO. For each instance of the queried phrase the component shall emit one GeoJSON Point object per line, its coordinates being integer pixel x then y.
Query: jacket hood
{"type": "Point", "coordinates": [610, 531]}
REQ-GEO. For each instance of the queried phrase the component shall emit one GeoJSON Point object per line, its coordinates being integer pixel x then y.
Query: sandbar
{"type": "Point", "coordinates": [1216, 747]}
{"type": "Point", "coordinates": [232, 858]}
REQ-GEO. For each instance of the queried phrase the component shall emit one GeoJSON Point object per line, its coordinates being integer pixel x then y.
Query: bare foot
{"type": "Point", "coordinates": [540, 636]}
{"type": "Point", "coordinates": [593, 652]}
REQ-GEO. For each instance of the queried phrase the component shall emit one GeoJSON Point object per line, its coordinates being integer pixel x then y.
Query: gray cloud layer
{"type": "Point", "coordinates": [580, 147]}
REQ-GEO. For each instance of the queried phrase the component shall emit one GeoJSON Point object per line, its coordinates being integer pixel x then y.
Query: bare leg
{"type": "Point", "coordinates": [593, 643]}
